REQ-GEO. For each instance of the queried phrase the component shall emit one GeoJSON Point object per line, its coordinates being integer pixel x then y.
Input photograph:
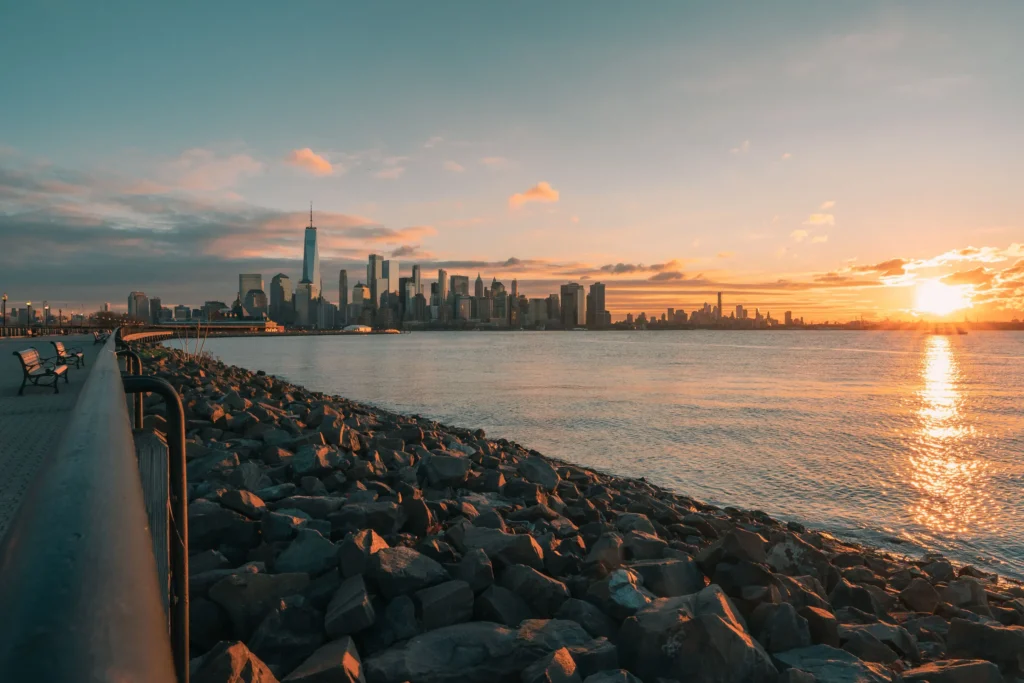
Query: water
{"type": "Point", "coordinates": [914, 442]}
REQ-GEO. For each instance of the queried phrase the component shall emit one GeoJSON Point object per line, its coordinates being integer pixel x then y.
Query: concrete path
{"type": "Point", "coordinates": [32, 425]}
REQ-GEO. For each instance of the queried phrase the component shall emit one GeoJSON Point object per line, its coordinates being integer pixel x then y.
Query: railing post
{"type": "Point", "coordinates": [178, 490]}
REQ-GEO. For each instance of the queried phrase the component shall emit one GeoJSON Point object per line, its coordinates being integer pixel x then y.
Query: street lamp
{"type": "Point", "coordinates": [3, 310]}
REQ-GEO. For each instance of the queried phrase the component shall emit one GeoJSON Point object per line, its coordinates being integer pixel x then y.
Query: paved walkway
{"type": "Point", "coordinates": [31, 425]}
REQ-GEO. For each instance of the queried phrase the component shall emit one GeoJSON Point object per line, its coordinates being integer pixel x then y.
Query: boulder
{"type": "Point", "coordinates": [955, 671]}
{"type": "Point", "coordinates": [823, 625]}
{"type": "Point", "coordinates": [638, 545]}
{"type": "Point", "coordinates": [543, 594]}
{"type": "Point", "coordinates": [864, 645]}
{"type": "Point", "coordinates": [607, 552]}
{"type": "Point", "coordinates": [357, 551]}
{"type": "Point", "coordinates": [445, 470]}
{"type": "Point", "coordinates": [895, 637]}
{"type": "Point", "coordinates": [476, 570]}
{"type": "Point", "coordinates": [589, 616]}
{"type": "Point", "coordinates": [232, 663]}
{"type": "Point", "coordinates": [737, 545]}
{"type": "Point", "coordinates": [593, 656]}
{"type": "Point", "coordinates": [244, 502]}
{"type": "Point", "coordinates": [207, 624]}
{"type": "Point", "coordinates": [846, 594]}
{"type": "Point", "coordinates": [350, 610]}
{"type": "Point", "coordinates": [539, 471]}
{"type": "Point", "coordinates": [794, 557]}
{"type": "Point", "coordinates": [670, 578]}
{"type": "Point", "coordinates": [336, 662]}
{"type": "Point", "coordinates": [445, 604]}
{"type": "Point", "coordinates": [501, 606]}
{"type": "Point", "coordinates": [634, 521]}
{"type": "Point", "coordinates": [1002, 645]}
{"type": "Point", "coordinates": [217, 526]}
{"type": "Point", "coordinates": [920, 596]}
{"type": "Point", "coordinates": [278, 526]}
{"type": "Point", "coordinates": [383, 517]}
{"type": "Point", "coordinates": [504, 549]}
{"type": "Point", "coordinates": [309, 553]}
{"type": "Point", "coordinates": [288, 634]}
{"type": "Point", "coordinates": [248, 597]}
{"type": "Point", "coordinates": [401, 571]}
{"type": "Point", "coordinates": [542, 636]}
{"type": "Point", "coordinates": [557, 667]}
{"type": "Point", "coordinates": [621, 594]}
{"type": "Point", "coordinates": [831, 665]}
{"type": "Point", "coordinates": [612, 676]}
{"type": "Point", "coordinates": [778, 627]}
{"type": "Point", "coordinates": [699, 637]}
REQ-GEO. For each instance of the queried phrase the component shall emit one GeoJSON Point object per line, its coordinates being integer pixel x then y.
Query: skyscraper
{"type": "Point", "coordinates": [460, 285]}
{"type": "Point", "coordinates": [442, 287]}
{"type": "Point", "coordinates": [574, 307]}
{"type": "Point", "coordinates": [343, 296]}
{"type": "Point", "coordinates": [721, 311]}
{"type": "Point", "coordinates": [595, 315]}
{"type": "Point", "coordinates": [281, 307]}
{"type": "Point", "coordinates": [515, 288]}
{"type": "Point", "coordinates": [138, 306]}
{"type": "Point", "coordinates": [374, 273]}
{"type": "Point", "coordinates": [247, 281]}
{"type": "Point", "coordinates": [311, 259]}
{"type": "Point", "coordinates": [390, 273]}
{"type": "Point", "coordinates": [478, 289]}
{"type": "Point", "coordinates": [154, 309]}
{"type": "Point", "coordinates": [416, 279]}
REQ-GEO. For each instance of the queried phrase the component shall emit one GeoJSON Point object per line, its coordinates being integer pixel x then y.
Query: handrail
{"type": "Point", "coordinates": [79, 593]}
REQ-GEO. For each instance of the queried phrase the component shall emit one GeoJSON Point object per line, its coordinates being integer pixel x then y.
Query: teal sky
{"type": "Point", "coordinates": [700, 146]}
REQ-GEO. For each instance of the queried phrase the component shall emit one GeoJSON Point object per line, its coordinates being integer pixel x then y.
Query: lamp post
{"type": "Point", "coordinates": [46, 315]}
{"type": "Point", "coordinates": [3, 310]}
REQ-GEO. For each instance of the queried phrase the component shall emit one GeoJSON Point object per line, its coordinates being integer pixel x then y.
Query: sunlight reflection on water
{"type": "Point", "coordinates": [948, 475]}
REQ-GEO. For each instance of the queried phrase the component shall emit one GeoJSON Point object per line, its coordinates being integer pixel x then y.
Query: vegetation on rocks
{"type": "Point", "coordinates": [333, 541]}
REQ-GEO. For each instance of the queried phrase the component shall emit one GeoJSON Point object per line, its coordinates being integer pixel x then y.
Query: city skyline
{"type": "Point", "coordinates": [847, 162]}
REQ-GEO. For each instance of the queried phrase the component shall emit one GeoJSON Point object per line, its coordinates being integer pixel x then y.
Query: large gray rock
{"type": "Point", "coordinates": [823, 625]}
{"type": "Point", "coordinates": [357, 550]}
{"type": "Point", "coordinates": [955, 671]}
{"type": "Point", "coordinates": [247, 598]}
{"type": "Point", "coordinates": [446, 470]}
{"type": "Point", "coordinates": [557, 667]}
{"type": "Point", "coordinates": [539, 471]}
{"type": "Point", "coordinates": [779, 627]}
{"type": "Point", "coordinates": [864, 645]}
{"type": "Point", "coordinates": [504, 549]}
{"type": "Point", "coordinates": [336, 662]}
{"type": "Point", "coordinates": [621, 594]}
{"type": "Point", "coordinates": [543, 594]}
{"type": "Point", "coordinates": [1003, 645]}
{"type": "Point", "coordinates": [350, 610]}
{"type": "Point", "coordinates": [589, 616]}
{"type": "Point", "coordinates": [831, 665]}
{"type": "Point", "coordinates": [445, 604]}
{"type": "Point", "coordinates": [476, 570]}
{"type": "Point", "coordinates": [607, 552]}
{"type": "Point", "coordinates": [232, 663]}
{"type": "Point", "coordinates": [287, 635]}
{"type": "Point", "coordinates": [920, 596]}
{"type": "Point", "coordinates": [738, 545]}
{"type": "Point", "coordinates": [400, 571]}
{"type": "Point", "coordinates": [670, 578]}
{"type": "Point", "coordinates": [597, 655]}
{"type": "Point", "coordinates": [699, 637]}
{"type": "Point", "coordinates": [634, 521]}
{"type": "Point", "coordinates": [895, 637]}
{"type": "Point", "coordinates": [310, 553]}
{"type": "Point", "coordinates": [794, 557]}
{"type": "Point", "coordinates": [501, 606]}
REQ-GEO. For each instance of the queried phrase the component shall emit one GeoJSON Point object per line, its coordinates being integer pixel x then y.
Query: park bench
{"type": "Point", "coordinates": [99, 337]}
{"type": "Point", "coordinates": [67, 356]}
{"type": "Point", "coordinates": [37, 369]}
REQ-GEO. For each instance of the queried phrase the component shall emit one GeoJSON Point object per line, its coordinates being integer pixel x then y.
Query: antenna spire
{"type": "Point", "coordinates": [311, 213]}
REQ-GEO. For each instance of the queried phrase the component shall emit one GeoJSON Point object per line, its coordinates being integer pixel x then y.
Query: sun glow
{"type": "Point", "coordinates": [938, 299]}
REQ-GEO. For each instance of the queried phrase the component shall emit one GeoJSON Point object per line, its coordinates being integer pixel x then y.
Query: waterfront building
{"type": "Point", "coordinates": [460, 285]}
{"type": "Point", "coordinates": [464, 304]}
{"type": "Point", "coordinates": [305, 302]}
{"type": "Point", "coordinates": [537, 312]}
{"type": "Point", "coordinates": [138, 306]}
{"type": "Point", "coordinates": [442, 288]}
{"type": "Point", "coordinates": [629, 318]}
{"type": "Point", "coordinates": [484, 308]}
{"type": "Point", "coordinates": [343, 296]}
{"type": "Point", "coordinates": [720, 309]}
{"type": "Point", "coordinates": [154, 309]}
{"type": "Point", "coordinates": [515, 288]}
{"type": "Point", "coordinates": [501, 307]}
{"type": "Point", "coordinates": [741, 313]}
{"type": "Point", "coordinates": [361, 295]}
{"type": "Point", "coordinates": [281, 308]}
{"type": "Point", "coordinates": [389, 272]}
{"type": "Point", "coordinates": [596, 313]}
{"type": "Point", "coordinates": [327, 314]}
{"type": "Point", "coordinates": [215, 310]}
{"type": "Point", "coordinates": [417, 278]}
{"type": "Point", "coordinates": [310, 259]}
{"type": "Point", "coordinates": [182, 312]}
{"type": "Point", "coordinates": [554, 308]}
{"type": "Point", "coordinates": [255, 304]}
{"type": "Point", "coordinates": [247, 281]}
{"type": "Point", "coordinates": [478, 287]}
{"type": "Point", "coordinates": [574, 307]}
{"type": "Point", "coordinates": [106, 307]}
{"type": "Point", "coordinates": [374, 273]}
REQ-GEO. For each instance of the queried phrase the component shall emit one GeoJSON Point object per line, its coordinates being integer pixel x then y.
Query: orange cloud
{"type": "Point", "coordinates": [820, 219]}
{"type": "Point", "coordinates": [541, 192]}
{"type": "Point", "coordinates": [454, 167]}
{"type": "Point", "coordinates": [308, 160]}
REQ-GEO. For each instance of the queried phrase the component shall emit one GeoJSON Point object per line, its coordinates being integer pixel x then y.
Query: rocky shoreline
{"type": "Point", "coordinates": [332, 541]}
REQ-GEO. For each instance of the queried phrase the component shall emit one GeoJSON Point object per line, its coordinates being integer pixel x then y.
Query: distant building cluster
{"type": "Point", "coordinates": [385, 300]}
{"type": "Point", "coordinates": [714, 316]}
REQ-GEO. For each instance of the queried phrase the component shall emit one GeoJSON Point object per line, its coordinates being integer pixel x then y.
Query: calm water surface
{"type": "Point", "coordinates": [915, 442]}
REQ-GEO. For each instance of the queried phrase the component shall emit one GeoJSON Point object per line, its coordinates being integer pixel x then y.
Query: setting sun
{"type": "Point", "coordinates": [939, 299]}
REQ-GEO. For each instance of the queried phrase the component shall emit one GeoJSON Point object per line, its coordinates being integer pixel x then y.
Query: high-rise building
{"type": "Point", "coordinates": [106, 307]}
{"type": "Point", "coordinates": [417, 278]}
{"type": "Point", "coordinates": [247, 281]}
{"type": "Point", "coordinates": [460, 285]}
{"type": "Point", "coordinates": [255, 304]}
{"type": "Point", "coordinates": [360, 295]}
{"type": "Point", "coordinates": [574, 307]}
{"type": "Point", "coordinates": [721, 311]}
{"type": "Point", "coordinates": [442, 287]}
{"type": "Point", "coordinates": [305, 305]}
{"type": "Point", "coordinates": [515, 288]}
{"type": "Point", "coordinates": [478, 287]}
{"type": "Point", "coordinates": [789, 318]}
{"type": "Point", "coordinates": [343, 296]}
{"type": "Point", "coordinates": [138, 306]}
{"type": "Point", "coordinates": [389, 272]}
{"type": "Point", "coordinates": [554, 307]}
{"type": "Point", "coordinates": [182, 312]}
{"type": "Point", "coordinates": [311, 259]}
{"type": "Point", "coordinates": [596, 305]}
{"type": "Point", "coordinates": [282, 308]}
{"type": "Point", "coordinates": [741, 313]}
{"type": "Point", "coordinates": [154, 309]}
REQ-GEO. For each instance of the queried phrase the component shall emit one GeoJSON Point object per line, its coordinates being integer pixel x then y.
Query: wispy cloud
{"type": "Point", "coordinates": [454, 166]}
{"type": "Point", "coordinates": [825, 206]}
{"type": "Point", "coordinates": [786, 156]}
{"type": "Point", "coordinates": [433, 141]}
{"type": "Point", "coordinates": [799, 235]}
{"type": "Point", "coordinates": [541, 192]}
{"type": "Point", "coordinates": [309, 161]}
{"type": "Point", "coordinates": [494, 162]}
{"type": "Point", "coordinates": [741, 148]}
{"type": "Point", "coordinates": [818, 239]}
{"type": "Point", "coordinates": [393, 173]}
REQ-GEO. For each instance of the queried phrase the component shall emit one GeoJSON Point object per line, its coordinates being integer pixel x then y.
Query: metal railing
{"type": "Point", "coordinates": [79, 595]}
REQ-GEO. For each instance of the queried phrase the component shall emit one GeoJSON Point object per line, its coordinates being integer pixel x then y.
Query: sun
{"type": "Point", "coordinates": [938, 299]}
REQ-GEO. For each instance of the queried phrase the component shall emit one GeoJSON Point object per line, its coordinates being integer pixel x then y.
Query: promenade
{"type": "Point", "coordinates": [32, 425]}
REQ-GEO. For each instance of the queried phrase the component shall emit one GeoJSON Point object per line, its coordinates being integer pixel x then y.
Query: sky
{"type": "Point", "coordinates": [834, 159]}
